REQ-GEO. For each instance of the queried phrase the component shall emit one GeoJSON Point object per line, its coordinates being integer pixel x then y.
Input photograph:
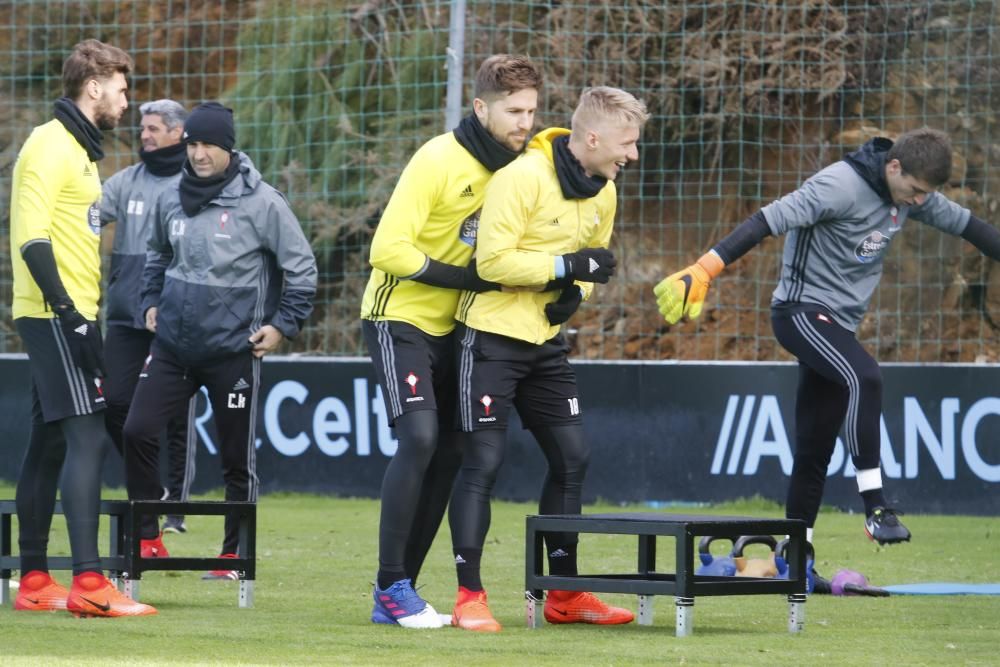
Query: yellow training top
{"type": "Point", "coordinates": [433, 212]}
{"type": "Point", "coordinates": [526, 222]}
{"type": "Point", "coordinates": [56, 195]}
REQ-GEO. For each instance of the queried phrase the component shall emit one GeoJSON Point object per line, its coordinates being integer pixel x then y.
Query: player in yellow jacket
{"type": "Point", "coordinates": [421, 258]}
{"type": "Point", "coordinates": [547, 220]}
{"type": "Point", "coordinates": [55, 231]}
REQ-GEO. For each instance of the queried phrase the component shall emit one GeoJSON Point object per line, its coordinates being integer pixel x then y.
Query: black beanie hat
{"type": "Point", "coordinates": [211, 123]}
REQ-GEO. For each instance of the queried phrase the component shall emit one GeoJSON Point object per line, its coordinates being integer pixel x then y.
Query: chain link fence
{"type": "Point", "coordinates": [748, 99]}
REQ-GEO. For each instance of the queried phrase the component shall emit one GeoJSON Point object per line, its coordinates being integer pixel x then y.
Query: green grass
{"type": "Point", "coordinates": [313, 599]}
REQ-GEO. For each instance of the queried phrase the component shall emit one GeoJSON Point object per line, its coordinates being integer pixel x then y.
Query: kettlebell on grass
{"type": "Point", "coordinates": [763, 568]}
{"type": "Point", "coordinates": [814, 582]}
{"type": "Point", "coordinates": [716, 566]}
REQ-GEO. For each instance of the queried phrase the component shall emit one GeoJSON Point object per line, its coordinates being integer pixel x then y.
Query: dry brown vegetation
{"type": "Point", "coordinates": [748, 99]}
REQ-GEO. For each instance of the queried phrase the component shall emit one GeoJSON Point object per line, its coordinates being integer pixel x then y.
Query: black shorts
{"type": "Point", "coordinates": [59, 388]}
{"type": "Point", "coordinates": [496, 372]}
{"type": "Point", "coordinates": [415, 369]}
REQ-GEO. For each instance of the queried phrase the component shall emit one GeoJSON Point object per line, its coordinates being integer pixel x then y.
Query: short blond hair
{"type": "Point", "coordinates": [603, 104]}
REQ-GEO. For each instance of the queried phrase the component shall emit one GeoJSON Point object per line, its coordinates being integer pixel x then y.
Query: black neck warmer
{"type": "Point", "coordinates": [484, 147]}
{"type": "Point", "coordinates": [869, 163]}
{"type": "Point", "coordinates": [573, 181]}
{"type": "Point", "coordinates": [196, 193]}
{"type": "Point", "coordinates": [165, 161]}
{"type": "Point", "coordinates": [80, 127]}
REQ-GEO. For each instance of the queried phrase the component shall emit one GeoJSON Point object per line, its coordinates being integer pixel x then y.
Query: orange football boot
{"type": "Point", "coordinates": [223, 575]}
{"type": "Point", "coordinates": [93, 595]}
{"type": "Point", "coordinates": [40, 592]}
{"type": "Point", "coordinates": [582, 607]}
{"type": "Point", "coordinates": [471, 612]}
{"type": "Point", "coordinates": [153, 548]}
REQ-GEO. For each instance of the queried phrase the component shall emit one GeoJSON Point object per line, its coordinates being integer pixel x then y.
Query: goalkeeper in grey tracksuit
{"type": "Point", "coordinates": [838, 226]}
{"type": "Point", "coordinates": [229, 274]}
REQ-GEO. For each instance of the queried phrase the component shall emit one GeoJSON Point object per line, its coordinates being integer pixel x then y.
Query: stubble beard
{"type": "Point", "coordinates": [105, 119]}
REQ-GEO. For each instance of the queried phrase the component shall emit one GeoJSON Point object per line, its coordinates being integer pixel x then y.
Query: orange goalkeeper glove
{"type": "Point", "coordinates": [682, 294]}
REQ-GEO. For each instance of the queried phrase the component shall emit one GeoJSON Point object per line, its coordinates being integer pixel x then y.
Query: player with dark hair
{"type": "Point", "coordinates": [546, 223]}
{"type": "Point", "coordinates": [55, 236]}
{"type": "Point", "coordinates": [838, 227]}
{"type": "Point", "coordinates": [128, 201]}
{"type": "Point", "coordinates": [421, 257]}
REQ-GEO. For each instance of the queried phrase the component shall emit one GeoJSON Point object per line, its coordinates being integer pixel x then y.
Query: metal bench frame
{"type": "Point", "coordinates": [683, 584]}
{"type": "Point", "coordinates": [125, 563]}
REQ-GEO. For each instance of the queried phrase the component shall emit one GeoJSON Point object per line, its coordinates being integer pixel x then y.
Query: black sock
{"type": "Point", "coordinates": [467, 567]}
{"type": "Point", "coordinates": [562, 561]}
{"type": "Point", "coordinates": [387, 578]}
{"type": "Point", "coordinates": [873, 498]}
{"type": "Point", "coordinates": [32, 563]}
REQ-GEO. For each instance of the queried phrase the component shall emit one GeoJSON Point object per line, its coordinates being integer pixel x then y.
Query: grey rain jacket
{"type": "Point", "coordinates": [128, 198]}
{"type": "Point", "coordinates": [238, 264]}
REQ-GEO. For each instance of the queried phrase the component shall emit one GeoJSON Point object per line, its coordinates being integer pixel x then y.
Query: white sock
{"type": "Point", "coordinates": [869, 479]}
{"type": "Point", "coordinates": [809, 536]}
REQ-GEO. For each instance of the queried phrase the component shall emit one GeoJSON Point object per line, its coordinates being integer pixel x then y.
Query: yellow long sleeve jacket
{"type": "Point", "coordinates": [525, 223]}
{"type": "Point", "coordinates": [56, 196]}
{"type": "Point", "coordinates": [433, 212]}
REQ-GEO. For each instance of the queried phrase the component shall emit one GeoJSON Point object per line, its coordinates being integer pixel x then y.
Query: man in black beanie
{"type": "Point", "coordinates": [229, 274]}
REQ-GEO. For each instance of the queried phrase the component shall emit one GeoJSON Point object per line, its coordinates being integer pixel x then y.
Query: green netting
{"type": "Point", "coordinates": [748, 98]}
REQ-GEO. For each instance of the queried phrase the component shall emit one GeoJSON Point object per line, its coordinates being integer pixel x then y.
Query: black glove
{"type": "Point", "coordinates": [472, 282]}
{"type": "Point", "coordinates": [84, 338]}
{"type": "Point", "coordinates": [563, 308]}
{"type": "Point", "coordinates": [558, 285]}
{"type": "Point", "coordinates": [591, 265]}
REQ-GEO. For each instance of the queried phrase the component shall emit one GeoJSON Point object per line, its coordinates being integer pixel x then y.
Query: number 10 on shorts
{"type": "Point", "coordinates": [574, 406]}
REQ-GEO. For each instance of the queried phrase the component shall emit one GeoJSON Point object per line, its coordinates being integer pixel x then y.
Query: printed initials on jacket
{"type": "Point", "coordinates": [177, 226]}
{"type": "Point", "coordinates": [135, 207]}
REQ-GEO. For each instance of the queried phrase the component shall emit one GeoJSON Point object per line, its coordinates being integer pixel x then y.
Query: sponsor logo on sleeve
{"type": "Point", "coordinates": [469, 228]}
{"type": "Point", "coordinates": [94, 217]}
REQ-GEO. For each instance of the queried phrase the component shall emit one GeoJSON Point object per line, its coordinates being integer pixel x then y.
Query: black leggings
{"type": "Point", "coordinates": [567, 455]}
{"type": "Point", "coordinates": [67, 454]}
{"type": "Point", "coordinates": [129, 348]}
{"type": "Point", "coordinates": [415, 491]}
{"type": "Point", "coordinates": [840, 384]}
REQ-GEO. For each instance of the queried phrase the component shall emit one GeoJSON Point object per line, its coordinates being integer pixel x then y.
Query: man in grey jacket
{"type": "Point", "coordinates": [229, 274]}
{"type": "Point", "coordinates": [128, 200]}
{"type": "Point", "coordinates": [838, 226]}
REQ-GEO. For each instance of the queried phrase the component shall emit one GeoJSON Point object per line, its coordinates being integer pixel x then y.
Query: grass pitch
{"type": "Point", "coordinates": [317, 559]}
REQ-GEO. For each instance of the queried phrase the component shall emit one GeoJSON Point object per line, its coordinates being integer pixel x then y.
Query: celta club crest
{"type": "Point", "coordinates": [412, 381]}
{"type": "Point", "coordinates": [223, 219]}
{"type": "Point", "coordinates": [487, 402]}
{"type": "Point", "coordinates": [97, 385]}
